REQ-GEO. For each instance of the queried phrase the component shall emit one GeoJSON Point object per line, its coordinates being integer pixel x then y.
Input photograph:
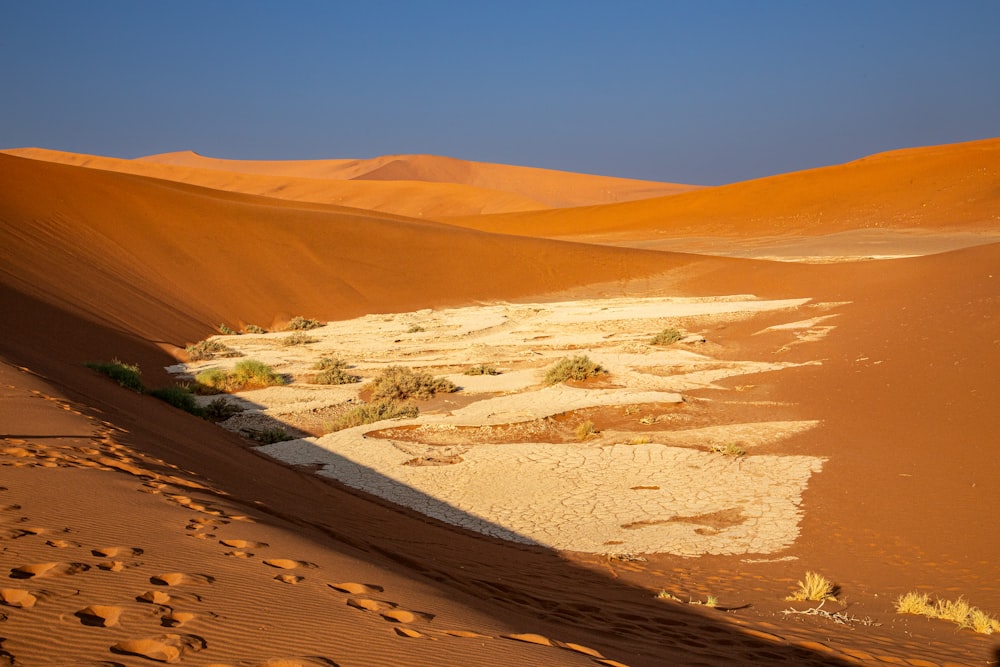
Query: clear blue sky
{"type": "Point", "coordinates": [699, 91]}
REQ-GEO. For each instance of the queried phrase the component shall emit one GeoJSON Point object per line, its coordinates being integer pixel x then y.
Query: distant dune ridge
{"type": "Point", "coordinates": [102, 258]}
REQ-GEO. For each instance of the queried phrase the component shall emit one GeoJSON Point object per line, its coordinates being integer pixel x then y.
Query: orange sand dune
{"type": "Point", "coordinates": [552, 188]}
{"type": "Point", "coordinates": [417, 199]}
{"type": "Point", "coordinates": [936, 188]}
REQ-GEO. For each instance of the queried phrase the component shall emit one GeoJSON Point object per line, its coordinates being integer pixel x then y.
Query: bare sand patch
{"type": "Point", "coordinates": [500, 457]}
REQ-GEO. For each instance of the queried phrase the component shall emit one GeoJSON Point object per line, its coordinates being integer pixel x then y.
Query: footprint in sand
{"type": "Point", "coordinates": [111, 566]}
{"type": "Point", "coordinates": [287, 564]}
{"type": "Point", "coordinates": [239, 554]}
{"type": "Point", "coordinates": [289, 578]}
{"type": "Point", "coordinates": [62, 544]}
{"type": "Point", "coordinates": [111, 552]}
{"type": "Point", "coordinates": [243, 544]}
{"type": "Point", "coordinates": [352, 588]}
{"type": "Point", "coordinates": [176, 619]}
{"type": "Point", "coordinates": [179, 578]}
{"type": "Point", "coordinates": [162, 648]}
{"type": "Point", "coordinates": [404, 616]}
{"type": "Point", "coordinates": [154, 597]}
{"type": "Point", "coordinates": [38, 570]}
{"type": "Point", "coordinates": [312, 661]}
{"type": "Point", "coordinates": [101, 616]}
{"type": "Point", "coordinates": [15, 597]}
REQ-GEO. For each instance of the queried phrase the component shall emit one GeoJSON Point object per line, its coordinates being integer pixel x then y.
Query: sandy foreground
{"type": "Point", "coordinates": [500, 456]}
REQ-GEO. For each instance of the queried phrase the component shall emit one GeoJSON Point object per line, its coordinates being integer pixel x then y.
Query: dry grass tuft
{"type": "Point", "coordinates": [333, 371]}
{"type": "Point", "coordinates": [254, 329]}
{"type": "Point", "coordinates": [297, 338]}
{"type": "Point", "coordinates": [299, 323]}
{"type": "Point", "coordinates": [816, 587]}
{"type": "Point", "coordinates": [481, 369]}
{"type": "Point", "coordinates": [573, 368]}
{"type": "Point", "coordinates": [585, 430]}
{"type": "Point", "coordinates": [957, 611]}
{"type": "Point", "coordinates": [210, 349]}
{"type": "Point", "coordinates": [248, 374]}
{"type": "Point", "coordinates": [375, 411]}
{"type": "Point", "coordinates": [731, 450]}
{"type": "Point", "coordinates": [401, 384]}
{"type": "Point", "coordinates": [667, 337]}
{"type": "Point", "coordinates": [127, 375]}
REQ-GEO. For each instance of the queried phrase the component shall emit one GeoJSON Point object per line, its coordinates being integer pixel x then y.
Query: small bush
{"type": "Point", "coordinates": [254, 329]}
{"type": "Point", "coordinates": [210, 349]}
{"type": "Point", "coordinates": [297, 338]}
{"type": "Point", "coordinates": [219, 409]}
{"type": "Point", "coordinates": [401, 384]}
{"type": "Point", "coordinates": [667, 337]}
{"type": "Point", "coordinates": [481, 369]}
{"type": "Point", "coordinates": [573, 368]}
{"type": "Point", "coordinates": [416, 328]}
{"type": "Point", "coordinates": [585, 430]}
{"type": "Point", "coordinates": [640, 440]}
{"type": "Point", "coordinates": [333, 371]}
{"type": "Point", "coordinates": [732, 450]}
{"type": "Point", "coordinates": [179, 397]}
{"type": "Point", "coordinates": [299, 323]}
{"type": "Point", "coordinates": [247, 374]}
{"type": "Point", "coordinates": [227, 331]}
{"type": "Point", "coordinates": [269, 436]}
{"type": "Point", "coordinates": [816, 587]}
{"type": "Point", "coordinates": [375, 411]}
{"type": "Point", "coordinates": [127, 375]}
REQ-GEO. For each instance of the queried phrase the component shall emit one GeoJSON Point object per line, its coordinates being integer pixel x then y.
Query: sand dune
{"type": "Point", "coordinates": [132, 531]}
{"type": "Point", "coordinates": [951, 187]}
{"type": "Point", "coordinates": [551, 187]}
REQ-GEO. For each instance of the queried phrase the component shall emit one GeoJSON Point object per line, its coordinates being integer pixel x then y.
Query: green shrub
{"type": "Point", "coordinates": [254, 329]}
{"type": "Point", "coordinates": [227, 331]}
{"type": "Point", "coordinates": [667, 337]}
{"type": "Point", "coordinates": [375, 411]}
{"type": "Point", "coordinates": [297, 338]}
{"type": "Point", "coordinates": [219, 409]}
{"type": "Point", "coordinates": [127, 375]}
{"type": "Point", "coordinates": [333, 371]}
{"type": "Point", "coordinates": [573, 368]}
{"type": "Point", "coordinates": [299, 323]}
{"type": "Point", "coordinates": [481, 369]}
{"type": "Point", "coordinates": [210, 349]}
{"type": "Point", "coordinates": [400, 384]}
{"type": "Point", "coordinates": [179, 397]}
{"type": "Point", "coordinates": [269, 436]}
{"type": "Point", "coordinates": [247, 374]}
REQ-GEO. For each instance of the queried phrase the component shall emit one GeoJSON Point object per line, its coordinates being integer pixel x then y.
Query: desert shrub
{"type": "Point", "coordinates": [210, 349]}
{"type": "Point", "coordinates": [227, 331]}
{"type": "Point", "coordinates": [816, 587]}
{"type": "Point", "coordinates": [731, 449]}
{"type": "Point", "coordinates": [219, 409]}
{"type": "Point", "coordinates": [957, 611]}
{"type": "Point", "coordinates": [333, 371]}
{"type": "Point", "coordinates": [254, 329]}
{"type": "Point", "coordinates": [297, 338]}
{"type": "Point", "coordinates": [481, 369]}
{"type": "Point", "coordinates": [247, 374]}
{"type": "Point", "coordinates": [269, 436]}
{"type": "Point", "coordinates": [667, 337]}
{"type": "Point", "coordinates": [127, 375]}
{"type": "Point", "coordinates": [573, 368]}
{"type": "Point", "coordinates": [416, 328]}
{"type": "Point", "coordinates": [585, 430]}
{"type": "Point", "coordinates": [299, 323]}
{"type": "Point", "coordinates": [400, 384]}
{"type": "Point", "coordinates": [374, 411]}
{"type": "Point", "coordinates": [179, 397]}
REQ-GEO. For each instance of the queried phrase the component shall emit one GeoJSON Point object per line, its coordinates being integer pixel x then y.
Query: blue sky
{"type": "Point", "coordinates": [701, 91]}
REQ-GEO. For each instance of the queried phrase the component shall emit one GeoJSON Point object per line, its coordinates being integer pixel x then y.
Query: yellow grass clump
{"type": "Point", "coordinates": [957, 611]}
{"type": "Point", "coordinates": [816, 588]}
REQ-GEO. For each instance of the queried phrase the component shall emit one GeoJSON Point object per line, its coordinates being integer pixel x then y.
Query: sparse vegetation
{"type": "Point", "coordinates": [127, 375]}
{"type": "Point", "coordinates": [299, 323]}
{"type": "Point", "coordinates": [730, 449]}
{"type": "Point", "coordinates": [210, 349]}
{"type": "Point", "coordinates": [401, 384]}
{"type": "Point", "coordinates": [227, 331]}
{"type": "Point", "coordinates": [254, 329]}
{"type": "Point", "coordinates": [481, 369]}
{"type": "Point", "coordinates": [375, 411]}
{"type": "Point", "coordinates": [269, 436]}
{"type": "Point", "coordinates": [957, 611]}
{"type": "Point", "coordinates": [585, 430]}
{"type": "Point", "coordinates": [416, 328]}
{"type": "Point", "coordinates": [668, 336]}
{"type": "Point", "coordinates": [816, 587]}
{"type": "Point", "coordinates": [219, 409]}
{"type": "Point", "coordinates": [297, 338]}
{"type": "Point", "coordinates": [640, 440]}
{"type": "Point", "coordinates": [573, 368]}
{"type": "Point", "coordinates": [179, 397]}
{"type": "Point", "coordinates": [247, 374]}
{"type": "Point", "coordinates": [333, 371]}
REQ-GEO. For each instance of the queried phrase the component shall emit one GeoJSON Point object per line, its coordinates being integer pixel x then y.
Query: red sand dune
{"type": "Point", "coordinates": [939, 187]}
{"type": "Point", "coordinates": [96, 264]}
